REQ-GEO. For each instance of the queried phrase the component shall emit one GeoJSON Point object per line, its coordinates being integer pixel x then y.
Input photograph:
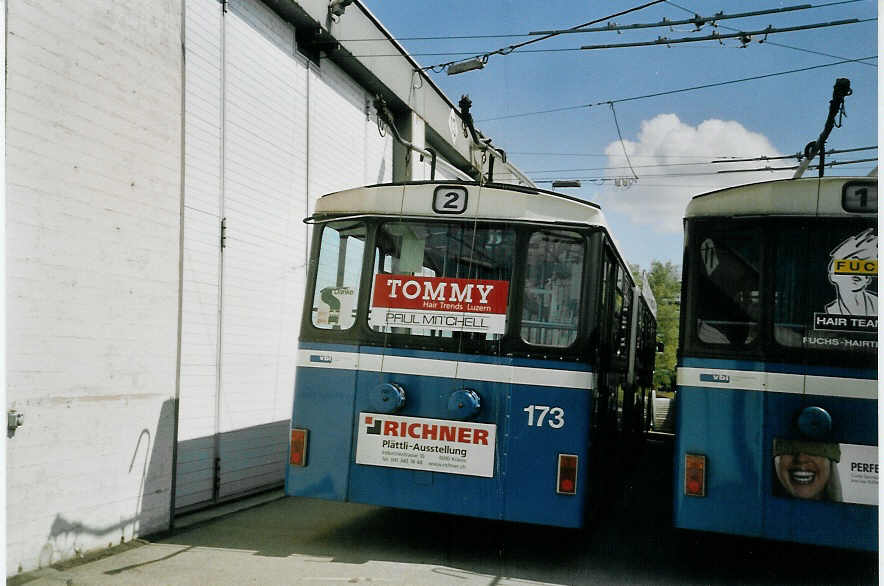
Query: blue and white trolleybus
{"type": "Point", "coordinates": [776, 411]}
{"type": "Point", "coordinates": [466, 349]}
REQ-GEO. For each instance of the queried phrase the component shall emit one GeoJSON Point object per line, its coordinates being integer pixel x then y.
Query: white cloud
{"type": "Point", "coordinates": [660, 195]}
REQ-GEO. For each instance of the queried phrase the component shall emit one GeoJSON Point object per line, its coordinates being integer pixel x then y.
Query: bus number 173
{"type": "Point", "coordinates": [555, 420]}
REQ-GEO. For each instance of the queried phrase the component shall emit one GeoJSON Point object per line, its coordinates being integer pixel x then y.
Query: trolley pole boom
{"type": "Point", "coordinates": [818, 146]}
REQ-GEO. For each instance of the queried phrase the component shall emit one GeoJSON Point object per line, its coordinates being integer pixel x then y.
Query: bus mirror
{"type": "Point", "coordinates": [659, 347]}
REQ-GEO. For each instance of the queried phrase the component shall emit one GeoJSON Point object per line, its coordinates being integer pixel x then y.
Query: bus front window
{"type": "Point", "coordinates": [826, 287]}
{"type": "Point", "coordinates": [439, 278]}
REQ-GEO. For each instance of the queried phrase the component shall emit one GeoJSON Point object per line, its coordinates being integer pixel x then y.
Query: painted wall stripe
{"type": "Point", "coordinates": [716, 378]}
{"type": "Point", "coordinates": [446, 368]}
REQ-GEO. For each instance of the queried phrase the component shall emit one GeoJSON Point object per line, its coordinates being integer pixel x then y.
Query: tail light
{"type": "Point", "coordinates": [695, 475]}
{"type": "Point", "coordinates": [566, 480]}
{"type": "Point", "coordinates": [298, 454]}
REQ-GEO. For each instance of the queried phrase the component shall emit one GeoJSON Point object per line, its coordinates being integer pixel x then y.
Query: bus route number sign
{"type": "Point", "coordinates": [450, 199]}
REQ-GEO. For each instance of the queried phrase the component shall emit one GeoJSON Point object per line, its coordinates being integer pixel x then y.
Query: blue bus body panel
{"type": "Point", "coordinates": [735, 429]}
{"type": "Point", "coordinates": [531, 458]}
{"type": "Point", "coordinates": [323, 404]}
{"type": "Point", "coordinates": [418, 489]}
{"type": "Point", "coordinates": [523, 486]}
{"type": "Point", "coordinates": [723, 425]}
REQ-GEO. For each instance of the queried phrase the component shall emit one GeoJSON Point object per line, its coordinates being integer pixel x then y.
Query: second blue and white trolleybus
{"type": "Point", "coordinates": [776, 411]}
{"type": "Point", "coordinates": [466, 349]}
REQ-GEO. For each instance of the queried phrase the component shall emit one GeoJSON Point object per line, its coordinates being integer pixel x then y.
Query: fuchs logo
{"type": "Point", "coordinates": [426, 431]}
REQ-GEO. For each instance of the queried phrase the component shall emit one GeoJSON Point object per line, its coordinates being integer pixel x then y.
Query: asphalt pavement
{"type": "Point", "coordinates": [272, 539]}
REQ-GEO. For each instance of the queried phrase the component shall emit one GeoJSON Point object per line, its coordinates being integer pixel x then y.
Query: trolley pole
{"type": "Point", "coordinates": [818, 146]}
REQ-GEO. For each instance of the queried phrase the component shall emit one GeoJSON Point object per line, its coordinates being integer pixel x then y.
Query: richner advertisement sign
{"type": "Point", "coordinates": [441, 303]}
{"type": "Point", "coordinates": [417, 443]}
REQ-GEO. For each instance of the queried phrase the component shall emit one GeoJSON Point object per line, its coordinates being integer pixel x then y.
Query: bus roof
{"type": "Point", "coordinates": [494, 201]}
{"type": "Point", "coordinates": [784, 197]}
{"type": "Point", "coordinates": [490, 201]}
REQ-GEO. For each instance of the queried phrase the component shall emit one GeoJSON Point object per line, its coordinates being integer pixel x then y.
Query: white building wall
{"type": "Point", "coordinates": [102, 253]}
{"type": "Point", "coordinates": [342, 120]}
{"type": "Point", "coordinates": [445, 171]}
{"type": "Point", "coordinates": [92, 251]}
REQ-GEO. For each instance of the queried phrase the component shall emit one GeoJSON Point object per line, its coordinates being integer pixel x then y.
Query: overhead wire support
{"type": "Point", "coordinates": [676, 91]}
{"type": "Point", "coordinates": [795, 167]}
{"type": "Point", "coordinates": [762, 158]}
{"type": "Point", "coordinates": [622, 144]}
{"type": "Point", "coordinates": [697, 21]}
{"type": "Point", "coordinates": [744, 36]}
{"type": "Point", "coordinates": [708, 173]}
{"type": "Point", "coordinates": [775, 44]}
{"type": "Point", "coordinates": [510, 48]}
{"type": "Point", "coordinates": [798, 156]}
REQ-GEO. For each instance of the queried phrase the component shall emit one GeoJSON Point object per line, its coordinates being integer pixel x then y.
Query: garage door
{"type": "Point", "coordinates": [252, 107]}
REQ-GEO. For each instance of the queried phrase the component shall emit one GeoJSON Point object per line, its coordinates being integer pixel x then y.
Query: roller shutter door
{"type": "Point", "coordinates": [252, 107]}
{"type": "Point", "coordinates": [245, 169]}
{"type": "Point", "coordinates": [263, 260]}
{"type": "Point", "coordinates": [198, 378]}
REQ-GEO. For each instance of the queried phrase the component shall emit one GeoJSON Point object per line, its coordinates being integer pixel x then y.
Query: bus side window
{"type": "Point", "coordinates": [728, 301]}
{"type": "Point", "coordinates": [624, 299]}
{"type": "Point", "coordinates": [553, 275]}
{"type": "Point", "coordinates": [337, 276]}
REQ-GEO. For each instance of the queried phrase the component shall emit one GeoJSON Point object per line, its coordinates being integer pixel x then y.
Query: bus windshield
{"type": "Point", "coordinates": [438, 278]}
{"type": "Point", "coordinates": [443, 284]}
{"type": "Point", "coordinates": [785, 286]}
{"type": "Point", "coordinates": [826, 287]}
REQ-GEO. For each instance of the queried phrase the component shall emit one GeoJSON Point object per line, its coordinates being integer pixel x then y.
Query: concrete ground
{"type": "Point", "coordinates": [272, 539]}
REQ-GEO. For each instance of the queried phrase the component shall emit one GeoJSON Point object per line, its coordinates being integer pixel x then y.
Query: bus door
{"type": "Point", "coordinates": [820, 441]}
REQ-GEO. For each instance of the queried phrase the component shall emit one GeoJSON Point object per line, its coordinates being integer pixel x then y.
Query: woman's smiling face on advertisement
{"type": "Point", "coordinates": [803, 476]}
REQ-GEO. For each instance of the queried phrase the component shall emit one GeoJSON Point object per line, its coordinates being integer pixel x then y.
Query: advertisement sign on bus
{"type": "Point", "coordinates": [844, 473]}
{"type": "Point", "coordinates": [417, 443]}
{"type": "Point", "coordinates": [465, 305]}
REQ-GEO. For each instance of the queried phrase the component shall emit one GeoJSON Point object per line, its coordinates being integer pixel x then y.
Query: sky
{"type": "Point", "coordinates": [561, 112]}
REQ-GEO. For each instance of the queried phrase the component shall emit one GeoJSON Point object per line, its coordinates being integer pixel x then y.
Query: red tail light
{"type": "Point", "coordinates": [298, 454]}
{"type": "Point", "coordinates": [566, 481]}
{"type": "Point", "coordinates": [695, 475]}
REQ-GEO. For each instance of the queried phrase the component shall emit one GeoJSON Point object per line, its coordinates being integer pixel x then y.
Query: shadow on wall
{"type": "Point", "coordinates": [150, 467]}
{"type": "Point", "coordinates": [251, 458]}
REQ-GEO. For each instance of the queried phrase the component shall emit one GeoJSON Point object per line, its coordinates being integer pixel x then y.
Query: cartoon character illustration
{"type": "Point", "coordinates": [852, 298]}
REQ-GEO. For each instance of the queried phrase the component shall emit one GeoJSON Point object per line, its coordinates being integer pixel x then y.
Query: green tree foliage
{"type": "Point", "coordinates": [665, 282]}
